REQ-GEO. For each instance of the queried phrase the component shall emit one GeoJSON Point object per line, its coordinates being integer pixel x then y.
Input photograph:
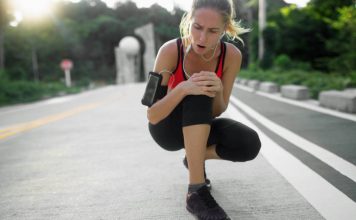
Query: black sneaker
{"type": "Point", "coordinates": [204, 207]}
{"type": "Point", "coordinates": [207, 181]}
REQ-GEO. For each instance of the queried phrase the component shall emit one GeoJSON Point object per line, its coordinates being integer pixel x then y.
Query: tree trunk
{"type": "Point", "coordinates": [261, 27]}
{"type": "Point", "coordinates": [2, 51]}
{"type": "Point", "coordinates": [36, 73]}
{"type": "Point", "coordinates": [249, 45]}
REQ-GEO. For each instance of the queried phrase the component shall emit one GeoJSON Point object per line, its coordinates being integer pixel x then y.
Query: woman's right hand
{"type": "Point", "coordinates": [191, 87]}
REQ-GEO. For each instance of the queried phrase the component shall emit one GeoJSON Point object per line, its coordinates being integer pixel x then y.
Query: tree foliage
{"type": "Point", "coordinates": [321, 34]}
{"type": "Point", "coordinates": [86, 32]}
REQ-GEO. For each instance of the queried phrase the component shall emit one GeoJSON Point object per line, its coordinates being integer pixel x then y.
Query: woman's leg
{"type": "Point", "coordinates": [197, 116]}
{"type": "Point", "coordinates": [210, 153]}
{"type": "Point", "coordinates": [168, 132]}
{"type": "Point", "coordinates": [232, 140]}
{"type": "Point", "coordinates": [195, 141]}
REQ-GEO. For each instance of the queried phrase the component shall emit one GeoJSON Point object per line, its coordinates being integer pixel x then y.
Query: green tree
{"type": "Point", "coordinates": [295, 31]}
{"type": "Point", "coordinates": [4, 22]}
{"type": "Point", "coordinates": [344, 44]}
{"type": "Point", "coordinates": [325, 9]}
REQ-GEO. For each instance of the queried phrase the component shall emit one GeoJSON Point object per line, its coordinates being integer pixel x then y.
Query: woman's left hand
{"type": "Point", "coordinates": [209, 81]}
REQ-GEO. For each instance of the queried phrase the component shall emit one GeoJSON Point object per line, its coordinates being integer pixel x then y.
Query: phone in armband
{"type": "Point", "coordinates": [153, 89]}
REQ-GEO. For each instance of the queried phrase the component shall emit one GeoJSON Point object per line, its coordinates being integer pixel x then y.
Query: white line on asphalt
{"type": "Point", "coordinates": [21, 107]}
{"type": "Point", "coordinates": [324, 197]}
{"type": "Point", "coordinates": [25, 107]}
{"type": "Point", "coordinates": [58, 100]}
{"type": "Point", "coordinates": [338, 163]}
{"type": "Point", "coordinates": [304, 104]}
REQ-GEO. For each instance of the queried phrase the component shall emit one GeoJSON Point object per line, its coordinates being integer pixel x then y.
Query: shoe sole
{"type": "Point", "coordinates": [196, 217]}
{"type": "Point", "coordinates": [191, 212]}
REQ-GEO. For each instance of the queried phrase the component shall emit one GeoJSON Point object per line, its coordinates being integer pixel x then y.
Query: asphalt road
{"type": "Point", "coordinates": [90, 156]}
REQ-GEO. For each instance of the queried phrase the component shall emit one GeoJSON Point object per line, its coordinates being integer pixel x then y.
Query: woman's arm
{"type": "Point", "coordinates": [231, 69]}
{"type": "Point", "coordinates": [221, 89]}
{"type": "Point", "coordinates": [166, 60]}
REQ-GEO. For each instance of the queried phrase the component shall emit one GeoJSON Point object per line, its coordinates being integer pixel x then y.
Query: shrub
{"type": "Point", "coordinates": [283, 62]}
{"type": "Point", "coordinates": [315, 81]}
{"type": "Point", "coordinates": [12, 92]}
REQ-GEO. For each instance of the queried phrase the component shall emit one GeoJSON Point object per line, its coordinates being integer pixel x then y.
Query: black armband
{"type": "Point", "coordinates": [154, 90]}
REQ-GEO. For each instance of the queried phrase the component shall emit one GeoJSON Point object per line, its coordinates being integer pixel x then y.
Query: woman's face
{"type": "Point", "coordinates": [206, 29]}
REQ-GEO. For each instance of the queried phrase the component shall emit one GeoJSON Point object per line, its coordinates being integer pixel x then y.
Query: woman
{"type": "Point", "coordinates": [203, 69]}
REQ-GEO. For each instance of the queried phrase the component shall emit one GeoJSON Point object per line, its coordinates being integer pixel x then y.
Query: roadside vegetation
{"type": "Point", "coordinates": [21, 91]}
{"type": "Point", "coordinates": [314, 80]}
{"type": "Point", "coordinates": [313, 46]}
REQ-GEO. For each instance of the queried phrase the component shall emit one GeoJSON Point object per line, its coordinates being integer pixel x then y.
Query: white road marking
{"type": "Point", "coordinates": [338, 163]}
{"type": "Point", "coordinates": [38, 104]}
{"type": "Point", "coordinates": [324, 197]}
{"type": "Point", "coordinates": [58, 100]}
{"type": "Point", "coordinates": [308, 104]}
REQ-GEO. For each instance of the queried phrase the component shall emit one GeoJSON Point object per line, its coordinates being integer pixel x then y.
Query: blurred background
{"type": "Point", "coordinates": [303, 42]}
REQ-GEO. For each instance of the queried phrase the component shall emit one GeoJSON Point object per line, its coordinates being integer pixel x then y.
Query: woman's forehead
{"type": "Point", "coordinates": [208, 17]}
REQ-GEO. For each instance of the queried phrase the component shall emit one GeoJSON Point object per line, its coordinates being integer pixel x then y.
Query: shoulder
{"type": "Point", "coordinates": [232, 52]}
{"type": "Point", "coordinates": [167, 55]}
{"type": "Point", "coordinates": [169, 48]}
{"type": "Point", "coordinates": [233, 58]}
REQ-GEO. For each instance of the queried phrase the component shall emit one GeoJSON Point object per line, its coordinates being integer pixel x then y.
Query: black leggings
{"type": "Point", "coordinates": [234, 141]}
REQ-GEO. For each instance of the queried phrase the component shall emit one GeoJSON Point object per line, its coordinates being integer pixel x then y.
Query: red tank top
{"type": "Point", "coordinates": [178, 75]}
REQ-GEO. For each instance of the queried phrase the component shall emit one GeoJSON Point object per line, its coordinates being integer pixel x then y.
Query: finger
{"type": "Point", "coordinates": [208, 74]}
{"type": "Point", "coordinates": [204, 78]}
{"type": "Point", "coordinates": [197, 74]}
{"type": "Point", "coordinates": [213, 89]}
{"type": "Point", "coordinates": [203, 83]}
{"type": "Point", "coordinates": [211, 94]}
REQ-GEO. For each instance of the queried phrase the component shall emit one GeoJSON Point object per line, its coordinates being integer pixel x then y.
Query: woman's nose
{"type": "Point", "coordinates": [202, 36]}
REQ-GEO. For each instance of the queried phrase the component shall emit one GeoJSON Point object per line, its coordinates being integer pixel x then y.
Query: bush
{"type": "Point", "coordinates": [315, 81]}
{"type": "Point", "coordinates": [3, 75]}
{"type": "Point", "coordinates": [12, 92]}
{"type": "Point", "coordinates": [283, 62]}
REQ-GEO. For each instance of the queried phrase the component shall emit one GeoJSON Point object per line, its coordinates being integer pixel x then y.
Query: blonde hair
{"type": "Point", "coordinates": [226, 9]}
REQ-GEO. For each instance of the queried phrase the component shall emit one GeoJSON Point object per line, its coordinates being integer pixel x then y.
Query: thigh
{"type": "Point", "coordinates": [234, 140]}
{"type": "Point", "coordinates": [168, 133]}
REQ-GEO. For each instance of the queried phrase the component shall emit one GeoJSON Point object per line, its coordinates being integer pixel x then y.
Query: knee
{"type": "Point", "coordinates": [248, 150]}
{"type": "Point", "coordinates": [254, 146]}
{"type": "Point", "coordinates": [197, 109]}
{"type": "Point", "coordinates": [163, 137]}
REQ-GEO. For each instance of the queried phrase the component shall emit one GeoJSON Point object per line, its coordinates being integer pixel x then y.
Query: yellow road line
{"type": "Point", "coordinates": [7, 132]}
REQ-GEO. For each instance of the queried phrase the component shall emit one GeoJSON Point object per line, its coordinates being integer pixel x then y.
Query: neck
{"type": "Point", "coordinates": [208, 58]}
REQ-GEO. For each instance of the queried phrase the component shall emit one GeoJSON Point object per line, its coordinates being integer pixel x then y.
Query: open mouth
{"type": "Point", "coordinates": [200, 46]}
